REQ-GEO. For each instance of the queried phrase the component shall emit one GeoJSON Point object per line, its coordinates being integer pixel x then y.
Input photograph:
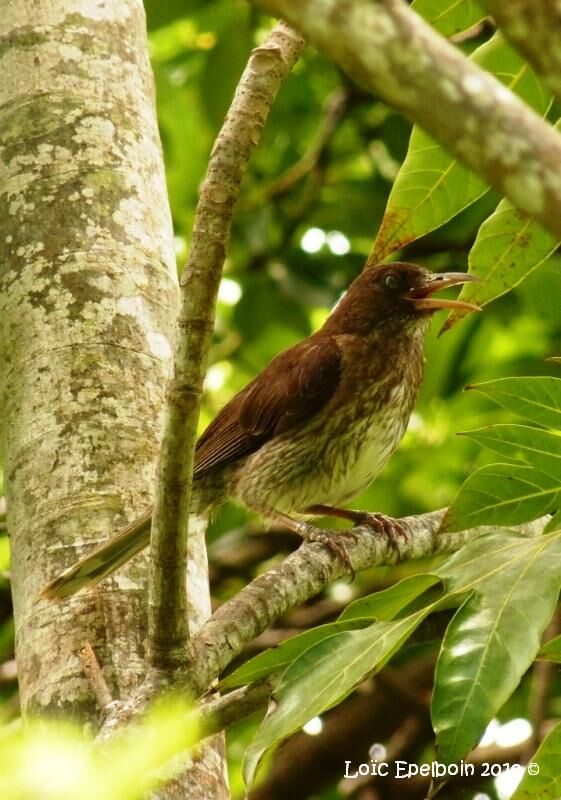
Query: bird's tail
{"type": "Point", "coordinates": [102, 561]}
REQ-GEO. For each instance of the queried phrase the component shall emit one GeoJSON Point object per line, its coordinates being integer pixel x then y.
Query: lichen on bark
{"type": "Point", "coordinates": [88, 297]}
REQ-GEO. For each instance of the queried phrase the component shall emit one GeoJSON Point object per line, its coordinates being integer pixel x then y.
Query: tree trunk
{"type": "Point", "coordinates": [88, 298]}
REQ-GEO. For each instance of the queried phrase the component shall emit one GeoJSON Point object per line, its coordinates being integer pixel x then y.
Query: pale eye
{"type": "Point", "coordinates": [392, 281]}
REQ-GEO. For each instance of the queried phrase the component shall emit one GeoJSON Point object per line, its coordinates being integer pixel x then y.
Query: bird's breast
{"type": "Point", "coordinates": [334, 457]}
{"type": "Point", "coordinates": [374, 431]}
{"type": "Point", "coordinates": [330, 462]}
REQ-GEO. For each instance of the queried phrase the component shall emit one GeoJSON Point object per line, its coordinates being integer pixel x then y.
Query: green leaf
{"type": "Point", "coordinates": [536, 446]}
{"type": "Point", "coordinates": [551, 651]}
{"type": "Point", "coordinates": [537, 399]}
{"type": "Point", "coordinates": [432, 186]}
{"type": "Point", "coordinates": [451, 16]}
{"type": "Point", "coordinates": [382, 605]}
{"type": "Point", "coordinates": [494, 636]}
{"type": "Point", "coordinates": [545, 783]}
{"type": "Point", "coordinates": [322, 676]}
{"type": "Point", "coordinates": [481, 560]}
{"type": "Point", "coordinates": [279, 657]}
{"type": "Point", "coordinates": [386, 604]}
{"type": "Point", "coordinates": [503, 494]}
{"type": "Point", "coordinates": [508, 247]}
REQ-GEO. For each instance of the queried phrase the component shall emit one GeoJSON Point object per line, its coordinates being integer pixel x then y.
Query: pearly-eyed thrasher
{"type": "Point", "coordinates": [316, 425]}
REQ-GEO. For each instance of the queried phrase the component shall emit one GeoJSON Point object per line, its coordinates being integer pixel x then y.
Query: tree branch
{"type": "Point", "coordinates": [241, 132]}
{"type": "Point", "coordinates": [335, 107]}
{"type": "Point", "coordinates": [532, 27]}
{"type": "Point", "coordinates": [389, 49]}
{"type": "Point", "coordinates": [219, 713]}
{"type": "Point", "coordinates": [307, 572]}
{"type": "Point", "coordinates": [93, 673]}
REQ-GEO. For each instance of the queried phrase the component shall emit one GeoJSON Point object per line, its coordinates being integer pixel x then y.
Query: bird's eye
{"type": "Point", "coordinates": [391, 281]}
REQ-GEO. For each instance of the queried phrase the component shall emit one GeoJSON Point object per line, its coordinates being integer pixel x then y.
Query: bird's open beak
{"type": "Point", "coordinates": [423, 300]}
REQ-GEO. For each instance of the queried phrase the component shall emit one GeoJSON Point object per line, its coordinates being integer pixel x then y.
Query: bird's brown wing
{"type": "Point", "coordinates": [288, 392]}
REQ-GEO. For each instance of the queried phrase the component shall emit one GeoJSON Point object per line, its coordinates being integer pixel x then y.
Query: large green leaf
{"type": "Point", "coordinates": [537, 399]}
{"type": "Point", "coordinates": [508, 247]}
{"type": "Point", "coordinates": [432, 186]}
{"type": "Point", "coordinates": [323, 675]}
{"type": "Point", "coordinates": [386, 604]}
{"type": "Point", "coordinates": [451, 16]}
{"type": "Point", "coordinates": [279, 657]}
{"type": "Point", "coordinates": [383, 605]}
{"type": "Point", "coordinates": [535, 446]}
{"type": "Point", "coordinates": [503, 494]}
{"type": "Point", "coordinates": [542, 781]}
{"type": "Point", "coordinates": [497, 572]}
{"type": "Point", "coordinates": [495, 635]}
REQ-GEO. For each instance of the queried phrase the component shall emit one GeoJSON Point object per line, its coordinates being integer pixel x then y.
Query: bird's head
{"type": "Point", "coordinates": [395, 294]}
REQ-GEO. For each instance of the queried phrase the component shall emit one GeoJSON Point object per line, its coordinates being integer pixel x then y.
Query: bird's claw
{"type": "Point", "coordinates": [389, 527]}
{"type": "Point", "coordinates": [331, 540]}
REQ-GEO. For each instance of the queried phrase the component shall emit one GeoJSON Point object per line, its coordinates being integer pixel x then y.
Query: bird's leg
{"type": "Point", "coordinates": [379, 523]}
{"type": "Point", "coordinates": [310, 533]}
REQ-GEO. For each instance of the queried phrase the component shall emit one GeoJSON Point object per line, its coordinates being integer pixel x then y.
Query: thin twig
{"type": "Point", "coordinates": [93, 673]}
{"type": "Point", "coordinates": [471, 33]}
{"type": "Point", "coordinates": [241, 132]}
{"type": "Point", "coordinates": [335, 108]}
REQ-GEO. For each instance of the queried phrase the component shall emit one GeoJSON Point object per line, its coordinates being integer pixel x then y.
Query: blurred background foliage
{"type": "Point", "coordinates": [312, 201]}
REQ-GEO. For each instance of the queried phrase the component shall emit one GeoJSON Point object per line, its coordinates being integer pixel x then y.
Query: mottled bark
{"type": "Point", "coordinates": [534, 28]}
{"type": "Point", "coordinates": [88, 298]}
{"type": "Point", "coordinates": [391, 51]}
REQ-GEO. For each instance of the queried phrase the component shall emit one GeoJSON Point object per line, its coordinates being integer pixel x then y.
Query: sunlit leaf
{"type": "Point", "coordinates": [537, 398]}
{"type": "Point", "coordinates": [433, 186]}
{"type": "Point", "coordinates": [55, 761]}
{"type": "Point", "coordinates": [386, 604]}
{"type": "Point", "coordinates": [536, 446]}
{"type": "Point", "coordinates": [508, 247]}
{"type": "Point", "coordinates": [494, 636]}
{"type": "Point", "coordinates": [279, 657]}
{"type": "Point", "coordinates": [503, 494]}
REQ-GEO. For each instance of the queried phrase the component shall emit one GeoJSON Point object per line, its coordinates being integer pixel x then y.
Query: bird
{"type": "Point", "coordinates": [316, 425]}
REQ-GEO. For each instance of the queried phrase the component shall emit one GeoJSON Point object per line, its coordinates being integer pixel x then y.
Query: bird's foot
{"type": "Point", "coordinates": [389, 527]}
{"type": "Point", "coordinates": [310, 533]}
{"type": "Point", "coordinates": [331, 539]}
